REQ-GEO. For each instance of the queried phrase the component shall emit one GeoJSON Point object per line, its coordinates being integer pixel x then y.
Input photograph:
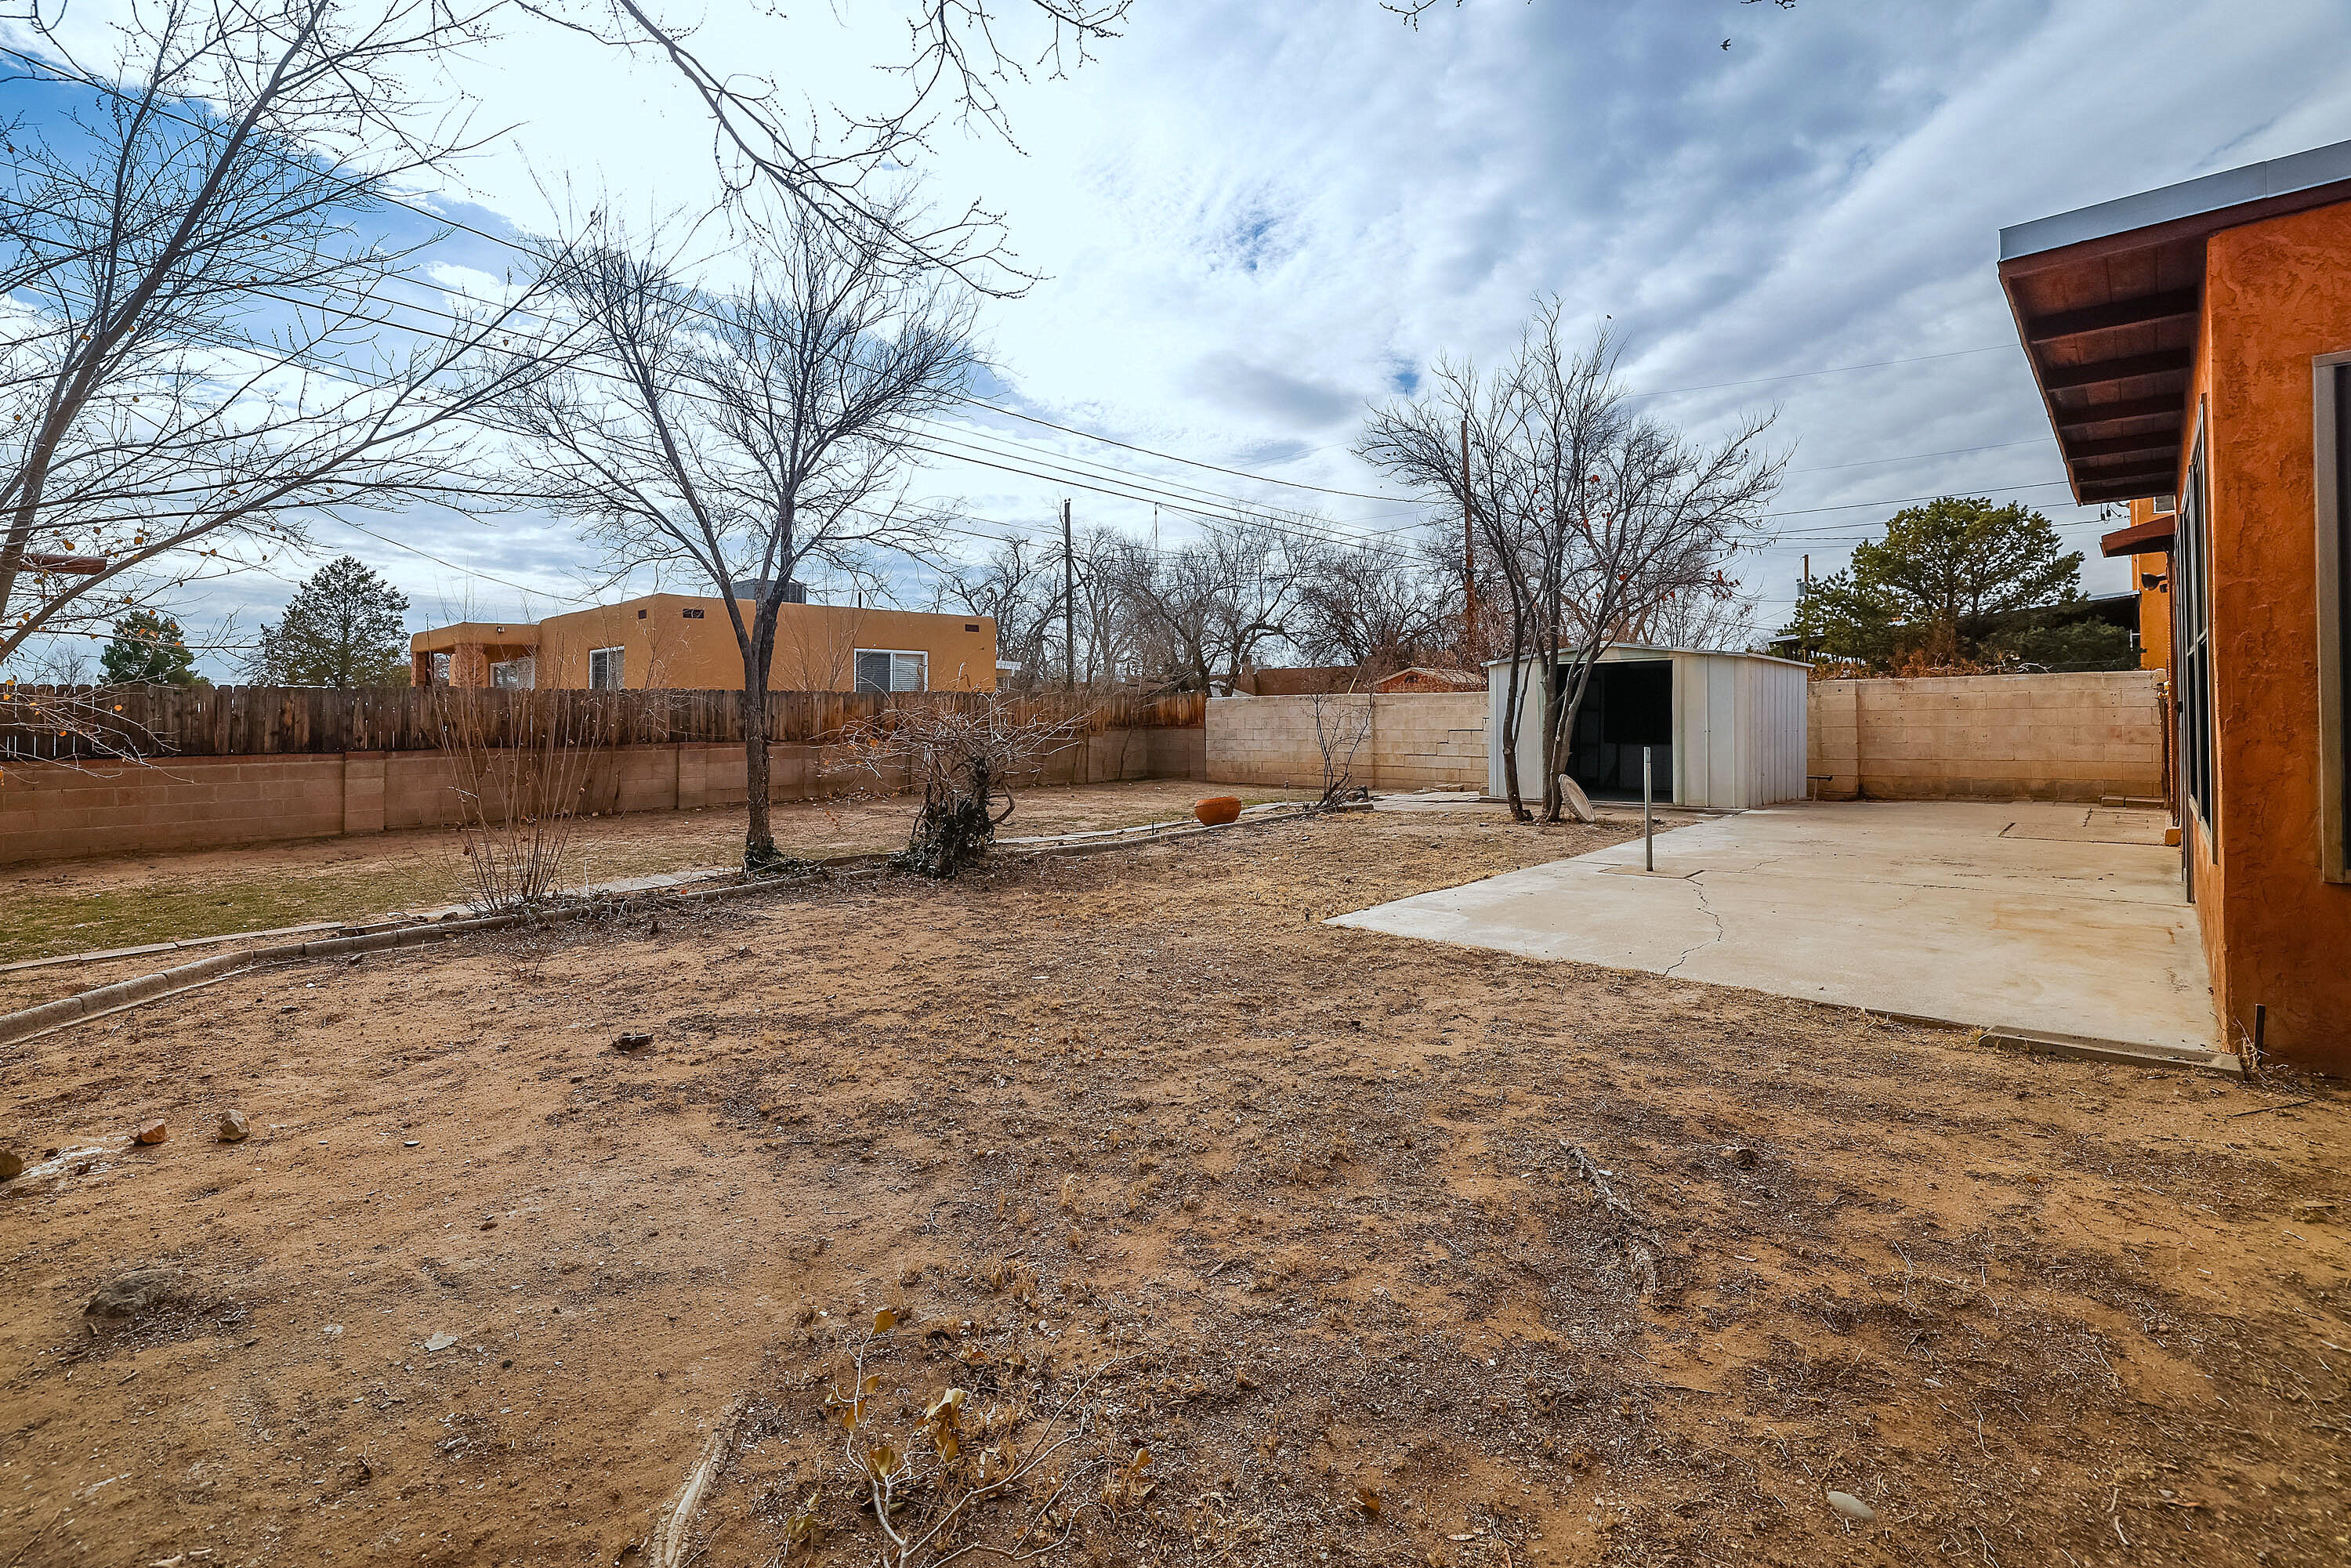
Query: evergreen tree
{"type": "Point", "coordinates": [342, 630]}
{"type": "Point", "coordinates": [151, 648]}
{"type": "Point", "coordinates": [2087, 644]}
{"type": "Point", "coordinates": [1946, 576]}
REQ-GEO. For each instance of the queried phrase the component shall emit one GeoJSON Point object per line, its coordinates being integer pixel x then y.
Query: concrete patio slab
{"type": "Point", "coordinates": [2030, 915]}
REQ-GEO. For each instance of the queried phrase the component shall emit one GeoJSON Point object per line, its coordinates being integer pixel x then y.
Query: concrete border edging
{"type": "Point", "coordinates": [2084, 1047]}
{"type": "Point", "coordinates": [2078, 1047]}
{"type": "Point", "coordinates": [26, 1023]}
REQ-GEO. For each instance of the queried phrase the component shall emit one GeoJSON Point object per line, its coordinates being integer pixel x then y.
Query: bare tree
{"type": "Point", "coordinates": [209, 349]}
{"type": "Point", "coordinates": [1010, 587]}
{"type": "Point", "coordinates": [1105, 629]}
{"type": "Point", "coordinates": [1474, 605]}
{"type": "Point", "coordinates": [736, 438]}
{"type": "Point", "coordinates": [1463, 443]}
{"type": "Point", "coordinates": [1020, 585]}
{"type": "Point", "coordinates": [1201, 610]}
{"type": "Point", "coordinates": [1373, 608]}
{"type": "Point", "coordinates": [1655, 520]}
{"type": "Point", "coordinates": [1715, 617]}
{"type": "Point", "coordinates": [1594, 518]}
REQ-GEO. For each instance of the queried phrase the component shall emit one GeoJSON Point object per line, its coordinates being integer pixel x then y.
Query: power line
{"type": "Point", "coordinates": [1240, 513]}
{"type": "Point", "coordinates": [1911, 500]}
{"type": "Point", "coordinates": [1107, 478]}
{"type": "Point", "coordinates": [1173, 500]}
{"type": "Point", "coordinates": [1921, 457]}
{"type": "Point", "coordinates": [373, 194]}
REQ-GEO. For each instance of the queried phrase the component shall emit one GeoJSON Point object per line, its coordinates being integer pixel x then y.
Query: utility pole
{"type": "Point", "coordinates": [1468, 553]}
{"type": "Point", "coordinates": [1068, 599]}
{"type": "Point", "coordinates": [1807, 643]}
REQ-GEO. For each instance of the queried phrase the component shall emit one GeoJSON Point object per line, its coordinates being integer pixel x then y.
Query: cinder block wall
{"type": "Point", "coordinates": [49, 812]}
{"type": "Point", "coordinates": [1989, 738]}
{"type": "Point", "coordinates": [53, 812]}
{"type": "Point", "coordinates": [1416, 740]}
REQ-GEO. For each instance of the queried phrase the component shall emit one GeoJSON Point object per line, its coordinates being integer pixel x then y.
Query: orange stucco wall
{"type": "Point", "coordinates": [2276, 294]}
{"type": "Point", "coordinates": [2154, 603]}
{"type": "Point", "coordinates": [816, 646]}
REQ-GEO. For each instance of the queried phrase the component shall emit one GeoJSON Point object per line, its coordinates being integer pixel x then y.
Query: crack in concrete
{"type": "Point", "coordinates": [1707, 910]}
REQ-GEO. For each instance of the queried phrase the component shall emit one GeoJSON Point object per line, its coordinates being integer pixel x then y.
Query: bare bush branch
{"type": "Point", "coordinates": [965, 758]}
{"type": "Point", "coordinates": [522, 761]}
{"type": "Point", "coordinates": [1342, 724]}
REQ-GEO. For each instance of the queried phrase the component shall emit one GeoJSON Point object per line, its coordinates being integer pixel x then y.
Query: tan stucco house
{"type": "Point", "coordinates": [679, 641]}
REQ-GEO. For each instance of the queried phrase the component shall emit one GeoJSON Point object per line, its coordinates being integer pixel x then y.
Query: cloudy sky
{"type": "Point", "coordinates": [1252, 219]}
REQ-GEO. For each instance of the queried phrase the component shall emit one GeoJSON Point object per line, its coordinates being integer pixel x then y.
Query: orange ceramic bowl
{"type": "Point", "coordinates": [1219, 809]}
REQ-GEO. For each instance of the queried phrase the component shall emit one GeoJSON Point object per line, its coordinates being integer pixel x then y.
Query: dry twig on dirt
{"type": "Point", "coordinates": [957, 1457]}
{"type": "Point", "coordinates": [1643, 1251]}
{"type": "Point", "coordinates": [668, 1546]}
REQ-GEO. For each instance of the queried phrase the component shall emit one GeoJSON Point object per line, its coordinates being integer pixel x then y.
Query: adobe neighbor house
{"type": "Point", "coordinates": [2193, 347]}
{"type": "Point", "coordinates": [677, 642]}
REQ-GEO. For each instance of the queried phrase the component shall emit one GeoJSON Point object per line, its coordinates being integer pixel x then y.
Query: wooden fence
{"type": "Point", "coordinates": [66, 722]}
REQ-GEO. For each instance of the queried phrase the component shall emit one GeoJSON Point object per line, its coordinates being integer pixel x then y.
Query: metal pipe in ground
{"type": "Point", "coordinates": [1648, 837]}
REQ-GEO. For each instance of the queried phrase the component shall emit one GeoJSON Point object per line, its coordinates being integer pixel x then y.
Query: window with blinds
{"type": "Point", "coordinates": [886, 670]}
{"type": "Point", "coordinates": [605, 668]}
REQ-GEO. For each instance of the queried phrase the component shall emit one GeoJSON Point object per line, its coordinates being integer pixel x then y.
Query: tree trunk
{"type": "Point", "coordinates": [759, 836]}
{"type": "Point", "coordinates": [760, 854]}
{"type": "Point", "coordinates": [1513, 702]}
{"type": "Point", "coordinates": [1559, 742]}
{"type": "Point", "coordinates": [1554, 757]}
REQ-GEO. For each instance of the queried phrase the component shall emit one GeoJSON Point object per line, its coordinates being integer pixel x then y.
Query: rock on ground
{"type": "Point", "coordinates": [140, 1292]}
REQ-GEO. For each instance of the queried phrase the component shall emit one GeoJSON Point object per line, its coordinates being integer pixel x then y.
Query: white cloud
{"type": "Point", "coordinates": [1254, 218]}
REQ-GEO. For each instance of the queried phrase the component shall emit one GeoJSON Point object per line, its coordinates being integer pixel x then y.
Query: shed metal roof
{"type": "Point", "coordinates": [1659, 649]}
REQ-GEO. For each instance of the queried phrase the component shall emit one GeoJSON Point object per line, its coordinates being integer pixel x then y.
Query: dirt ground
{"type": "Point", "coordinates": [1382, 1251]}
{"type": "Point", "coordinates": [80, 907]}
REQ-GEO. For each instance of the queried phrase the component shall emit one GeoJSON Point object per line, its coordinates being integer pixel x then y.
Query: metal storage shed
{"type": "Point", "coordinates": [1726, 729]}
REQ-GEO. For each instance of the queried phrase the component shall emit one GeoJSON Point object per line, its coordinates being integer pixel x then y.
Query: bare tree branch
{"type": "Point", "coordinates": [958, 55]}
{"type": "Point", "coordinates": [200, 363]}
{"type": "Point", "coordinates": [1201, 610]}
{"type": "Point", "coordinates": [737, 437]}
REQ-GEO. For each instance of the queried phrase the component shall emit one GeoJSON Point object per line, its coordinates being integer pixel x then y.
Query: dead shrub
{"type": "Point", "coordinates": [964, 758]}
{"type": "Point", "coordinates": [522, 761]}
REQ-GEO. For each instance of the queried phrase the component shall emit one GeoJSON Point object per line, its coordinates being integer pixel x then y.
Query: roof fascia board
{"type": "Point", "coordinates": [2204, 203]}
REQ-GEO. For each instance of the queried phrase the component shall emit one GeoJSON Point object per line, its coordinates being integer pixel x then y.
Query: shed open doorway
{"type": "Point", "coordinates": [1728, 729]}
{"type": "Point", "coordinates": [1627, 707]}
